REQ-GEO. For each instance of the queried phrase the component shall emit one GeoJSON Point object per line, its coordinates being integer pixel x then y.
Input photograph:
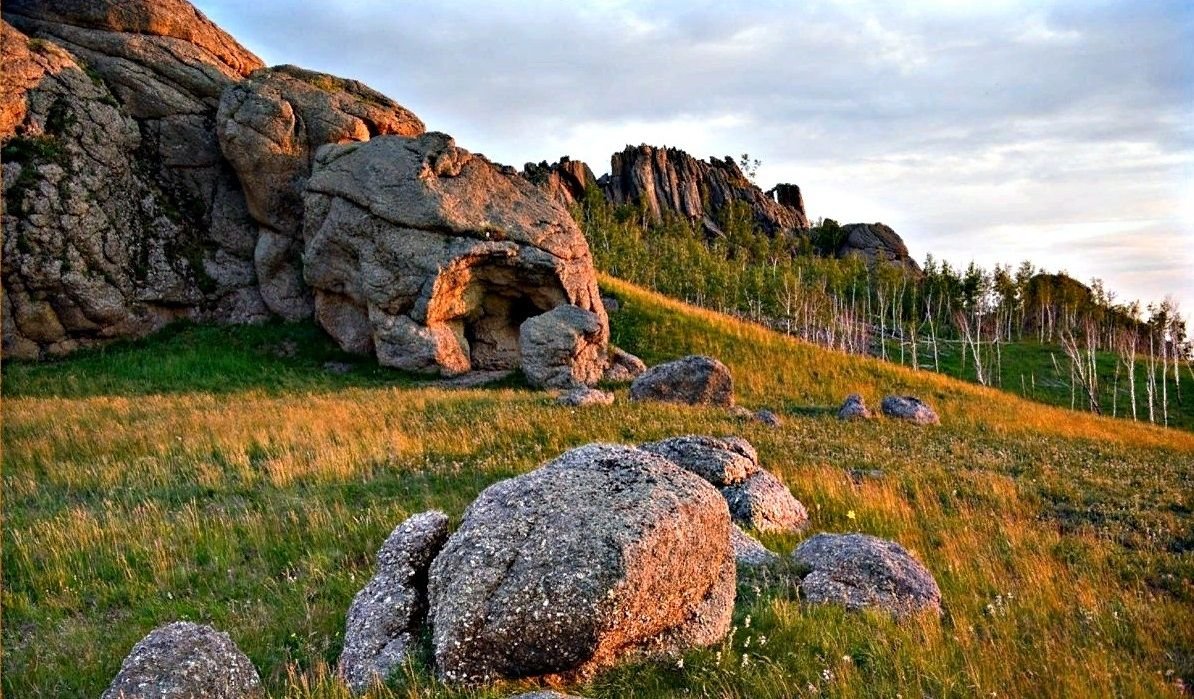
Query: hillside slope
{"type": "Point", "coordinates": [201, 475]}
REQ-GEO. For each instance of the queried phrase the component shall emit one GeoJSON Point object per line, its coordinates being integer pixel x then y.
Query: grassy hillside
{"type": "Point", "coordinates": [199, 475]}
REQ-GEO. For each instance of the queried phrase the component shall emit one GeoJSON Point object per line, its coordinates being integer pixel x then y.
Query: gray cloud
{"type": "Point", "coordinates": [1057, 131]}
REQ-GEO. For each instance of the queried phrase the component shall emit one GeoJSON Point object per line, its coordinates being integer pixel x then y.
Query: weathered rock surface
{"type": "Point", "coordinates": [860, 571]}
{"type": "Point", "coordinates": [386, 615]}
{"type": "Point", "coordinates": [854, 408]}
{"type": "Point", "coordinates": [669, 181]}
{"type": "Point", "coordinates": [694, 380]}
{"type": "Point", "coordinates": [768, 418]}
{"type": "Point", "coordinates": [565, 181]}
{"type": "Point", "coordinates": [563, 348]}
{"type": "Point", "coordinates": [183, 660]}
{"type": "Point", "coordinates": [546, 694]}
{"type": "Point", "coordinates": [720, 461]}
{"type": "Point", "coordinates": [763, 502]}
{"type": "Point", "coordinates": [584, 396]}
{"type": "Point", "coordinates": [432, 257]}
{"type": "Point", "coordinates": [269, 128]}
{"type": "Point", "coordinates": [876, 242]}
{"type": "Point", "coordinates": [748, 552]}
{"type": "Point", "coordinates": [910, 409]}
{"type": "Point", "coordinates": [605, 552]}
{"type": "Point", "coordinates": [120, 213]}
{"type": "Point", "coordinates": [623, 366]}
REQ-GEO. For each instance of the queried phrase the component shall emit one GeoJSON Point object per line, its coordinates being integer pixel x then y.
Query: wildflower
{"type": "Point", "coordinates": [746, 624]}
{"type": "Point", "coordinates": [680, 664]}
{"type": "Point", "coordinates": [851, 515]}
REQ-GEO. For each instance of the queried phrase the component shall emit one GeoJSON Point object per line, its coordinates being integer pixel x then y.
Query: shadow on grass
{"type": "Point", "coordinates": [274, 358]}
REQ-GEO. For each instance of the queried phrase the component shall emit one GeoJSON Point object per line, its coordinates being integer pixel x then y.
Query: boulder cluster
{"type": "Point", "coordinates": [605, 553]}
{"type": "Point", "coordinates": [903, 408]}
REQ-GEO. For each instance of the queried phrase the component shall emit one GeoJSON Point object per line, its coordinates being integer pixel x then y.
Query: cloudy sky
{"type": "Point", "coordinates": [1057, 132]}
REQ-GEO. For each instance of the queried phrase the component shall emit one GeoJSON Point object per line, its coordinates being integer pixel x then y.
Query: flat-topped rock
{"type": "Point", "coordinates": [860, 571]}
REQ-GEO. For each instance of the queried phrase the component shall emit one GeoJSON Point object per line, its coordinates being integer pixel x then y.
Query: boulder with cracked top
{"type": "Point", "coordinates": [432, 258]}
{"type": "Point", "coordinates": [386, 615]}
{"type": "Point", "coordinates": [603, 553]}
{"type": "Point", "coordinates": [860, 571]}
{"type": "Point", "coordinates": [720, 461]}
{"type": "Point", "coordinates": [695, 380]}
{"type": "Point", "coordinates": [187, 661]}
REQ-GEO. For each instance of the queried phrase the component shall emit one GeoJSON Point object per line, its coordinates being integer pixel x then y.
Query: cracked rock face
{"type": "Point", "coordinates": [386, 615]}
{"type": "Point", "coordinates": [910, 409]}
{"type": "Point", "coordinates": [120, 213]}
{"type": "Point", "coordinates": [860, 571]}
{"type": "Point", "coordinates": [563, 348]}
{"type": "Point", "coordinates": [269, 127]}
{"type": "Point", "coordinates": [876, 242]}
{"type": "Point", "coordinates": [694, 380]}
{"type": "Point", "coordinates": [185, 661]}
{"type": "Point", "coordinates": [605, 552]}
{"type": "Point", "coordinates": [432, 258]}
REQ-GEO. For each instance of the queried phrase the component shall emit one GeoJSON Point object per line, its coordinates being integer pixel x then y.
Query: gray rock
{"type": "Point", "coordinates": [183, 660]}
{"type": "Point", "coordinates": [546, 694]}
{"type": "Point", "coordinates": [565, 181]}
{"type": "Point", "coordinates": [860, 571]}
{"type": "Point", "coordinates": [720, 461]}
{"type": "Point", "coordinates": [910, 409]}
{"type": "Point", "coordinates": [854, 409]}
{"type": "Point", "coordinates": [612, 305]}
{"type": "Point", "coordinates": [748, 552]}
{"type": "Point", "coordinates": [694, 380]}
{"type": "Point", "coordinates": [563, 348]}
{"type": "Point", "coordinates": [876, 242]}
{"type": "Point", "coordinates": [384, 619]}
{"type": "Point", "coordinates": [337, 368]}
{"type": "Point", "coordinates": [584, 397]}
{"type": "Point", "coordinates": [269, 127]}
{"type": "Point", "coordinates": [768, 418]}
{"type": "Point", "coordinates": [605, 552]}
{"type": "Point", "coordinates": [764, 503]}
{"type": "Point", "coordinates": [623, 366]}
{"type": "Point", "coordinates": [432, 257]}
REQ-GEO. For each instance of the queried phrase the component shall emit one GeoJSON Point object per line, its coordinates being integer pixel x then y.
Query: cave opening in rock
{"type": "Point", "coordinates": [485, 303]}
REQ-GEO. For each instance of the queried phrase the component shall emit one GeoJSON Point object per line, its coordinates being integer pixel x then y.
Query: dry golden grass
{"type": "Point", "coordinates": [1062, 541]}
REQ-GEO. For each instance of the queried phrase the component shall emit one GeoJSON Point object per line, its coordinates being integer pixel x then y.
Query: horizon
{"type": "Point", "coordinates": [1058, 134]}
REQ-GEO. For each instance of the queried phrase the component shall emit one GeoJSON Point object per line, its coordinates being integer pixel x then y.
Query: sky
{"type": "Point", "coordinates": [1057, 132]}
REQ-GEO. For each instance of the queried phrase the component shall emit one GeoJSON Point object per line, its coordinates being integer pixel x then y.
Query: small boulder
{"type": "Point", "coordinates": [860, 571]}
{"type": "Point", "coordinates": [854, 409]}
{"type": "Point", "coordinates": [584, 397]}
{"type": "Point", "coordinates": [694, 380]}
{"type": "Point", "coordinates": [910, 409]}
{"type": "Point", "coordinates": [719, 461]}
{"type": "Point", "coordinates": [183, 659]}
{"type": "Point", "coordinates": [546, 694]}
{"type": "Point", "coordinates": [623, 366]}
{"type": "Point", "coordinates": [606, 551]}
{"type": "Point", "coordinates": [383, 622]}
{"type": "Point", "coordinates": [748, 552]}
{"type": "Point", "coordinates": [768, 418]}
{"type": "Point", "coordinates": [764, 503]}
{"type": "Point", "coordinates": [563, 348]}
{"type": "Point", "coordinates": [612, 305]}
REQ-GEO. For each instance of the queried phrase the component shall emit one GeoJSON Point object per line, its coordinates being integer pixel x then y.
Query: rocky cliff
{"type": "Point", "coordinates": [155, 170]}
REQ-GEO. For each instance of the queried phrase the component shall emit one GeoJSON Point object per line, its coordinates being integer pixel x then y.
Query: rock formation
{"type": "Point", "coordinates": [269, 127]}
{"type": "Point", "coordinates": [670, 181]}
{"type": "Point", "coordinates": [386, 615]}
{"type": "Point", "coordinates": [854, 408]}
{"type": "Point", "coordinates": [694, 380]}
{"type": "Point", "coordinates": [875, 242]}
{"type": "Point", "coordinates": [910, 409]}
{"type": "Point", "coordinates": [764, 503]}
{"type": "Point", "coordinates": [183, 659]}
{"type": "Point", "coordinates": [860, 571]}
{"type": "Point", "coordinates": [565, 181]}
{"type": "Point", "coordinates": [748, 551]}
{"type": "Point", "coordinates": [432, 257]}
{"type": "Point", "coordinates": [155, 170]}
{"type": "Point", "coordinates": [605, 552]}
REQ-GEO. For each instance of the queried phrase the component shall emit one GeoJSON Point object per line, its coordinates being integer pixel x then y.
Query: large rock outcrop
{"type": "Point", "coordinates": [875, 242]}
{"type": "Point", "coordinates": [670, 181]}
{"type": "Point", "coordinates": [565, 181]}
{"type": "Point", "coordinates": [270, 126]}
{"type": "Point", "coordinates": [605, 552]}
{"type": "Point", "coordinates": [120, 212]}
{"type": "Point", "coordinates": [432, 257]}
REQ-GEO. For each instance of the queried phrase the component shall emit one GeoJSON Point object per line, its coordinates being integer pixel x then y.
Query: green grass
{"type": "Point", "coordinates": [1041, 372]}
{"type": "Point", "coordinates": [198, 475]}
